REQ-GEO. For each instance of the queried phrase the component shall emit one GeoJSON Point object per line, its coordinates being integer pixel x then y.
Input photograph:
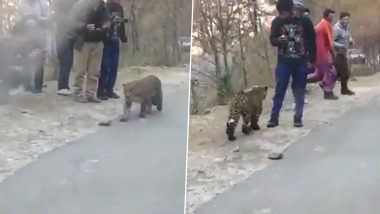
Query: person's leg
{"type": "Point", "coordinates": [114, 65]}
{"type": "Point", "coordinates": [283, 72]}
{"type": "Point", "coordinates": [39, 73]}
{"type": "Point", "coordinates": [341, 65]}
{"type": "Point", "coordinates": [314, 76]}
{"type": "Point", "coordinates": [94, 71]}
{"type": "Point", "coordinates": [28, 67]}
{"type": "Point", "coordinates": [104, 71]}
{"type": "Point", "coordinates": [345, 89]}
{"type": "Point", "coordinates": [80, 68]}
{"type": "Point", "coordinates": [299, 75]}
{"type": "Point", "coordinates": [328, 81]}
{"type": "Point", "coordinates": [65, 56]}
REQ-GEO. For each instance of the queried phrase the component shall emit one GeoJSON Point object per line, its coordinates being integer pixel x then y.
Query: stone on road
{"type": "Point", "coordinates": [137, 167]}
{"type": "Point", "coordinates": [333, 170]}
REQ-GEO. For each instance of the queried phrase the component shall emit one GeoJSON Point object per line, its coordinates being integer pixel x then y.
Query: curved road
{"type": "Point", "coordinates": [137, 167]}
{"type": "Point", "coordinates": [334, 170]}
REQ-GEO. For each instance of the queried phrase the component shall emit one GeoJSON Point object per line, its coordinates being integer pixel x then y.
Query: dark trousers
{"type": "Point", "coordinates": [284, 71]}
{"type": "Point", "coordinates": [342, 69]}
{"type": "Point", "coordinates": [39, 75]}
{"type": "Point", "coordinates": [34, 66]}
{"type": "Point", "coordinates": [65, 53]}
{"type": "Point", "coordinates": [109, 67]}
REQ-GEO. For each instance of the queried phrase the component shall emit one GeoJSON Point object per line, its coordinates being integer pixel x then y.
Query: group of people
{"type": "Point", "coordinates": [88, 36]}
{"type": "Point", "coordinates": [308, 53]}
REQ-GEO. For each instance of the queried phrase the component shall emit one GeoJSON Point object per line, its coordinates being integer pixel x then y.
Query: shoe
{"type": "Point", "coordinates": [93, 100]}
{"type": "Point", "coordinates": [272, 123]}
{"type": "Point", "coordinates": [102, 97]}
{"type": "Point", "coordinates": [80, 99]}
{"type": "Point", "coordinates": [113, 95]}
{"type": "Point", "coordinates": [298, 122]}
{"type": "Point", "coordinates": [64, 92]}
{"type": "Point", "coordinates": [36, 91]}
{"type": "Point", "coordinates": [330, 96]}
{"type": "Point", "coordinates": [320, 85]}
{"type": "Point", "coordinates": [347, 91]}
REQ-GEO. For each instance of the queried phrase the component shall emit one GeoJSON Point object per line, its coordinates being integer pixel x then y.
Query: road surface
{"type": "Point", "coordinates": [136, 167]}
{"type": "Point", "coordinates": [334, 170]}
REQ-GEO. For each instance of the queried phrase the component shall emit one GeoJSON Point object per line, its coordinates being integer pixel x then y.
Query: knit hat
{"type": "Point", "coordinates": [284, 5]}
{"type": "Point", "coordinates": [299, 4]}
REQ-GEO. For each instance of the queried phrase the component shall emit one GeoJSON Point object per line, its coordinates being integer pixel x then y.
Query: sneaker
{"type": "Point", "coordinates": [298, 122]}
{"type": "Point", "coordinates": [64, 92]}
{"type": "Point", "coordinates": [272, 123]}
{"type": "Point", "coordinates": [113, 95]}
{"type": "Point", "coordinates": [93, 100]}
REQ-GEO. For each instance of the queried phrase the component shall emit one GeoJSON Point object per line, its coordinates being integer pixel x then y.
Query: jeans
{"type": "Point", "coordinates": [65, 54]}
{"type": "Point", "coordinates": [109, 68]}
{"type": "Point", "coordinates": [284, 71]}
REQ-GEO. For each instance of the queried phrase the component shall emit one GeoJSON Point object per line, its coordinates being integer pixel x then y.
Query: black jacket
{"type": "Point", "coordinates": [299, 44]}
{"type": "Point", "coordinates": [99, 18]}
{"type": "Point", "coordinates": [117, 29]}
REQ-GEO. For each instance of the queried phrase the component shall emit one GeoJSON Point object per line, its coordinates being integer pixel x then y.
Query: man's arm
{"type": "Point", "coordinates": [106, 16]}
{"type": "Point", "coordinates": [123, 36]}
{"type": "Point", "coordinates": [328, 45]}
{"type": "Point", "coordinates": [45, 16]}
{"type": "Point", "coordinates": [77, 18]}
{"type": "Point", "coordinates": [351, 40]}
{"type": "Point", "coordinates": [275, 33]}
{"type": "Point", "coordinates": [310, 40]}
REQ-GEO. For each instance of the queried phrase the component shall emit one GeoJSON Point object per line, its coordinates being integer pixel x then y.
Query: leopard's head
{"type": "Point", "coordinates": [132, 91]}
{"type": "Point", "coordinates": [258, 91]}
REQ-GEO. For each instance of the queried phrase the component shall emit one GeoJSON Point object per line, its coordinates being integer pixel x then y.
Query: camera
{"type": "Point", "coordinates": [115, 18]}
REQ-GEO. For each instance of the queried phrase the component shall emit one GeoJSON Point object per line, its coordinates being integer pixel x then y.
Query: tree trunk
{"type": "Point", "coordinates": [255, 17]}
{"type": "Point", "coordinates": [195, 107]}
{"type": "Point", "coordinates": [242, 57]}
{"type": "Point", "coordinates": [175, 46]}
{"type": "Point", "coordinates": [134, 29]}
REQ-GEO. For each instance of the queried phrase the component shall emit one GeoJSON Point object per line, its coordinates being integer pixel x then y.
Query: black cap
{"type": "Point", "coordinates": [285, 5]}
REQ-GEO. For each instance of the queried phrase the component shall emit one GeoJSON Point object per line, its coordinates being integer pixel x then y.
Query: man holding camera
{"type": "Point", "coordinates": [111, 51]}
{"type": "Point", "coordinates": [90, 21]}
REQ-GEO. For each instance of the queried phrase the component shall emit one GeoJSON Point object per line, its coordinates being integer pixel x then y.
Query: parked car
{"type": "Point", "coordinates": [356, 56]}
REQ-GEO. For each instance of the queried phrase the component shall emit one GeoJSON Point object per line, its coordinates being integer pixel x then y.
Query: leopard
{"type": "Point", "coordinates": [248, 104]}
{"type": "Point", "coordinates": [146, 91]}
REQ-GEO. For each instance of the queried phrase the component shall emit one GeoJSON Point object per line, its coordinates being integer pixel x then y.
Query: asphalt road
{"type": "Point", "coordinates": [137, 167]}
{"type": "Point", "coordinates": [334, 170]}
